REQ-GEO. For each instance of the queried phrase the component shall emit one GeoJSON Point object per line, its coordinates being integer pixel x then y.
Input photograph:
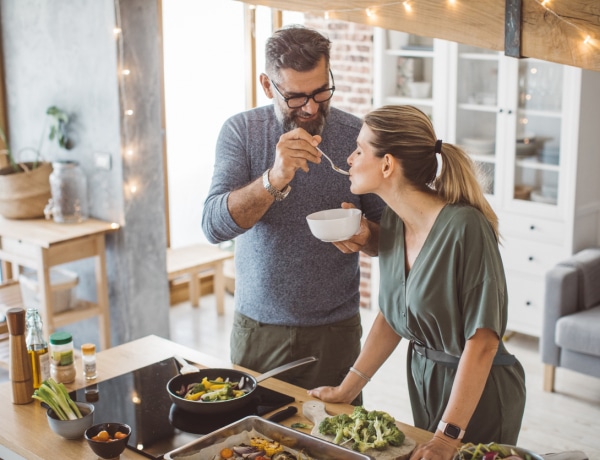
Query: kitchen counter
{"type": "Point", "coordinates": [24, 429]}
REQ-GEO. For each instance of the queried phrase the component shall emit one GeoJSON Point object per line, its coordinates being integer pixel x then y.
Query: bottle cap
{"type": "Point", "coordinates": [88, 348]}
{"type": "Point", "coordinates": [60, 338]}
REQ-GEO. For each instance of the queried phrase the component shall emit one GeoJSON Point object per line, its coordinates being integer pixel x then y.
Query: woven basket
{"type": "Point", "coordinates": [24, 195]}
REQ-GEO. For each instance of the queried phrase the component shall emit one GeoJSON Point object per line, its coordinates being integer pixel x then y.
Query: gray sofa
{"type": "Point", "coordinates": [571, 318]}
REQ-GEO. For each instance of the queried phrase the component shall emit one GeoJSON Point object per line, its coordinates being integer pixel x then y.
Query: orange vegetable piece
{"type": "Point", "coordinates": [226, 453]}
{"type": "Point", "coordinates": [119, 435]}
{"type": "Point", "coordinates": [103, 436]}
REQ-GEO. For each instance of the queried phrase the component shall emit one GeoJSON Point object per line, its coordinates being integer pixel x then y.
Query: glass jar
{"type": "Point", "coordinates": [68, 185]}
{"type": "Point", "coordinates": [88, 359]}
{"type": "Point", "coordinates": [62, 366]}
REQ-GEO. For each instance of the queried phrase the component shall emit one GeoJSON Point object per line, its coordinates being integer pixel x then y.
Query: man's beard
{"type": "Point", "coordinates": [292, 119]}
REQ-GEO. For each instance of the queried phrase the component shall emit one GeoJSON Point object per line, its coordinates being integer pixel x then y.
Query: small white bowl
{"type": "Point", "coordinates": [334, 224]}
{"type": "Point", "coordinates": [72, 429]}
{"type": "Point", "coordinates": [419, 89]}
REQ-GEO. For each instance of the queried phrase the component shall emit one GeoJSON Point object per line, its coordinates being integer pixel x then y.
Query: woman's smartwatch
{"type": "Point", "coordinates": [451, 431]}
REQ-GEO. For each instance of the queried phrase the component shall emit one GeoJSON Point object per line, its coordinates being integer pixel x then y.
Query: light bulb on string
{"type": "Point", "coordinates": [129, 112]}
{"type": "Point", "coordinates": [117, 31]}
{"type": "Point", "coordinates": [407, 6]}
{"type": "Point", "coordinates": [126, 72]}
{"type": "Point", "coordinates": [370, 12]}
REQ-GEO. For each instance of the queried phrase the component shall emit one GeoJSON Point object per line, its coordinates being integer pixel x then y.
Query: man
{"type": "Point", "coordinates": [295, 296]}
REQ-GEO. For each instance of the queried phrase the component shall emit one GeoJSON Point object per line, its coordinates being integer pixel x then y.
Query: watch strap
{"type": "Point", "coordinates": [279, 195]}
{"type": "Point", "coordinates": [450, 430]}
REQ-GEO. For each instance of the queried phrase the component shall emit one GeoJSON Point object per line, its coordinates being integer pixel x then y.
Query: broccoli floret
{"type": "Point", "coordinates": [362, 446]}
{"type": "Point", "coordinates": [335, 426]}
{"type": "Point", "coordinates": [391, 433]}
{"type": "Point", "coordinates": [359, 412]}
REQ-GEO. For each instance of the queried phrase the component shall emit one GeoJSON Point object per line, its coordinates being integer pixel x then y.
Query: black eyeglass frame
{"type": "Point", "coordinates": [306, 97]}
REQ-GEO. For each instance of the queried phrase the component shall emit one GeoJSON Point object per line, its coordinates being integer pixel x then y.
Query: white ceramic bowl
{"type": "Point", "coordinates": [334, 224]}
{"type": "Point", "coordinates": [72, 429]}
{"type": "Point", "coordinates": [419, 89]}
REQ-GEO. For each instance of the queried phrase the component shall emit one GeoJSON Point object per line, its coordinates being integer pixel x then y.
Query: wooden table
{"type": "Point", "coordinates": [192, 261]}
{"type": "Point", "coordinates": [24, 429]}
{"type": "Point", "coordinates": [41, 244]}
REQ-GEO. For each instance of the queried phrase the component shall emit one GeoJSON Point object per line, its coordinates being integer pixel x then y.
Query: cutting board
{"type": "Point", "coordinates": [316, 413]}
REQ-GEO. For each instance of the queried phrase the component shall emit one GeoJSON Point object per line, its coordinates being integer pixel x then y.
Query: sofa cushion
{"type": "Point", "coordinates": [587, 263]}
{"type": "Point", "coordinates": [579, 331]}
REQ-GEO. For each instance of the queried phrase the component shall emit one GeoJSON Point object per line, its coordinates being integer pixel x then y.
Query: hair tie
{"type": "Point", "coordinates": [438, 146]}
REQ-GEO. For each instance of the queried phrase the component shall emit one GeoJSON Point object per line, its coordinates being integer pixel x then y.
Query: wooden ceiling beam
{"type": "Point", "coordinates": [554, 32]}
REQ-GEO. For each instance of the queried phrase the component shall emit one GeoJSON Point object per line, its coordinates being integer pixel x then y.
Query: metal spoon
{"type": "Point", "coordinates": [333, 166]}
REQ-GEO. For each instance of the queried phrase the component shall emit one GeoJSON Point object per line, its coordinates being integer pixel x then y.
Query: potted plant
{"type": "Point", "coordinates": [25, 186]}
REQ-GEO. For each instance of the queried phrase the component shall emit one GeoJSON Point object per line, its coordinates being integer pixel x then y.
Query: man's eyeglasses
{"type": "Point", "coordinates": [300, 100]}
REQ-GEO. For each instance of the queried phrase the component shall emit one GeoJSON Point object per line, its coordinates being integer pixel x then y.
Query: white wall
{"type": "Point", "coordinates": [204, 85]}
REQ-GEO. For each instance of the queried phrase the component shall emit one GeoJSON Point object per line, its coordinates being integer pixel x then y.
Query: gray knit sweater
{"type": "Point", "coordinates": [283, 274]}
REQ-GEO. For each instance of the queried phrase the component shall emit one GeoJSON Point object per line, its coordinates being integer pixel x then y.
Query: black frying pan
{"type": "Point", "coordinates": [248, 383]}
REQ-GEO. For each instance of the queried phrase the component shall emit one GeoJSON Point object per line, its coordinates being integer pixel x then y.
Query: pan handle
{"type": "Point", "coordinates": [285, 367]}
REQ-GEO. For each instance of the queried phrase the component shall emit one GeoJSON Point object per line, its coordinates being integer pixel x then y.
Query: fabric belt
{"type": "Point", "coordinates": [440, 357]}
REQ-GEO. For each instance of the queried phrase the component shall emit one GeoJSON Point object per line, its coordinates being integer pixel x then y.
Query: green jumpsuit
{"type": "Point", "coordinates": [455, 286]}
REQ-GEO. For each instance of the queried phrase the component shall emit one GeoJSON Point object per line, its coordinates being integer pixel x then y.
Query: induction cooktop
{"type": "Point", "coordinates": [140, 399]}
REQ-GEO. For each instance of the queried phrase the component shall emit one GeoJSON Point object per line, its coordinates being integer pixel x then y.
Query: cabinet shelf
{"type": "Point", "coordinates": [540, 113]}
{"type": "Point", "coordinates": [479, 56]}
{"type": "Point", "coordinates": [402, 100]}
{"type": "Point", "coordinates": [478, 107]}
{"type": "Point", "coordinates": [425, 53]}
{"type": "Point", "coordinates": [534, 163]}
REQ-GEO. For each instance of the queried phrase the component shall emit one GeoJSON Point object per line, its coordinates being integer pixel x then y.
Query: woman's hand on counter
{"type": "Point", "coordinates": [438, 448]}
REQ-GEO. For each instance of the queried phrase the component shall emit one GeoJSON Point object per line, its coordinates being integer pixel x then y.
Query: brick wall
{"type": "Point", "coordinates": [351, 64]}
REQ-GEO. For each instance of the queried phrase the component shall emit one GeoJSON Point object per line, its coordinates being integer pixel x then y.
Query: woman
{"type": "Point", "coordinates": [442, 286]}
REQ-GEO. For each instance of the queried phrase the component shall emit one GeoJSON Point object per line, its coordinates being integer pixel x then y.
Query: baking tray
{"type": "Point", "coordinates": [292, 439]}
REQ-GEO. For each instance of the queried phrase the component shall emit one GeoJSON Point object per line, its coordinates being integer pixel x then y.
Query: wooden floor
{"type": "Point", "coordinates": [568, 419]}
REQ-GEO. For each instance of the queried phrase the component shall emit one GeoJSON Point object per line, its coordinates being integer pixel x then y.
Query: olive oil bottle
{"type": "Point", "coordinates": [37, 348]}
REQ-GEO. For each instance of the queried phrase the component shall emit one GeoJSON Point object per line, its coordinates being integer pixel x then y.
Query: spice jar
{"type": "Point", "coordinates": [88, 358]}
{"type": "Point", "coordinates": [62, 366]}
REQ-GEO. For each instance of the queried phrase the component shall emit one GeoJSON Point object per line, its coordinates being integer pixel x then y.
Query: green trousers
{"type": "Point", "coordinates": [262, 347]}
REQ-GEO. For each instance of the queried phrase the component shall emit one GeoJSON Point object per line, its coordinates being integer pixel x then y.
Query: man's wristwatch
{"type": "Point", "coordinates": [279, 195]}
{"type": "Point", "coordinates": [452, 431]}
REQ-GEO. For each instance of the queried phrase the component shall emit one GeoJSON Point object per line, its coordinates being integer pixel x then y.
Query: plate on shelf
{"type": "Point", "coordinates": [539, 197]}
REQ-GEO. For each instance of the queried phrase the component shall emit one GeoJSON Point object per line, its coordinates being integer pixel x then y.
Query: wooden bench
{"type": "Point", "coordinates": [195, 261]}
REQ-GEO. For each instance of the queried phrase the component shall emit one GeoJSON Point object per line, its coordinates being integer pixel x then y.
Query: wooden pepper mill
{"type": "Point", "coordinates": [20, 373]}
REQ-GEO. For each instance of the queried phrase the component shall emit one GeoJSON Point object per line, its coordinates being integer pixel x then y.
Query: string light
{"type": "Point", "coordinates": [407, 6]}
{"type": "Point", "coordinates": [544, 4]}
{"type": "Point", "coordinates": [129, 148]}
{"type": "Point", "coordinates": [370, 12]}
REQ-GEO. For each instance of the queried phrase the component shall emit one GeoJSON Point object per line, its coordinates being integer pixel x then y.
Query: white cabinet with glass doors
{"type": "Point", "coordinates": [531, 127]}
